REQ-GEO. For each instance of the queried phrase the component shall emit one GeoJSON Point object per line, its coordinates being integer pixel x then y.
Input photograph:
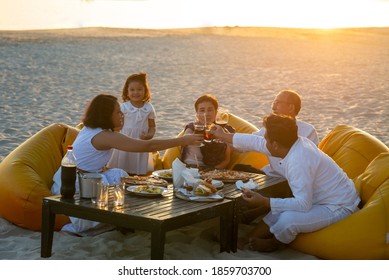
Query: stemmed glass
{"type": "Point", "coordinates": [222, 117]}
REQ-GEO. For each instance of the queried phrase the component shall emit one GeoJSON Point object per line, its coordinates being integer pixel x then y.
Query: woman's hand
{"type": "Point", "coordinates": [190, 139]}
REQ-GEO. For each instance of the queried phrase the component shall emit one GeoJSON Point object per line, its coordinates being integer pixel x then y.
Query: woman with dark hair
{"type": "Point", "coordinates": [94, 145]}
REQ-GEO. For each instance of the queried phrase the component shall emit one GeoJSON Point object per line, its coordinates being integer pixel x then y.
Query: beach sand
{"type": "Point", "coordinates": [49, 76]}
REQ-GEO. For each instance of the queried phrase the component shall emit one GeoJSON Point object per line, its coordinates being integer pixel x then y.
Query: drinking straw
{"type": "Point", "coordinates": [197, 162]}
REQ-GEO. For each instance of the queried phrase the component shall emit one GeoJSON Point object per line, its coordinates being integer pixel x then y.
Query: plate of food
{"type": "Point", "coordinates": [166, 174]}
{"type": "Point", "coordinates": [147, 190]}
{"type": "Point", "coordinates": [201, 193]}
{"type": "Point", "coordinates": [145, 180]}
{"type": "Point", "coordinates": [209, 182]}
{"type": "Point", "coordinates": [227, 176]}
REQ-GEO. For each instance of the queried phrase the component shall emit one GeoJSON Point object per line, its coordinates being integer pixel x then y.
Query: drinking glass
{"type": "Point", "coordinates": [222, 117]}
{"type": "Point", "coordinates": [208, 135]}
{"type": "Point", "coordinates": [200, 124]}
{"type": "Point", "coordinates": [118, 193]}
{"type": "Point", "coordinates": [101, 198]}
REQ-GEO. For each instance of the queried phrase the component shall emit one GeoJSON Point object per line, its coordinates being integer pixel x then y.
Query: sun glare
{"type": "Point", "coordinates": [40, 14]}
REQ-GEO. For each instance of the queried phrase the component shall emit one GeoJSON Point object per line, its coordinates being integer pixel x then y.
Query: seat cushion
{"type": "Point", "coordinates": [364, 234]}
{"type": "Point", "coordinates": [351, 148]}
{"type": "Point", "coordinates": [26, 176]}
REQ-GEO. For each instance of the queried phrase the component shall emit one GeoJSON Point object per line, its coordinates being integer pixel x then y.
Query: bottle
{"type": "Point", "coordinates": [68, 174]}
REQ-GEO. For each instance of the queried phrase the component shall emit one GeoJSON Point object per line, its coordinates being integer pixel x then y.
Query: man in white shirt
{"type": "Point", "coordinates": [322, 192]}
{"type": "Point", "coordinates": [287, 102]}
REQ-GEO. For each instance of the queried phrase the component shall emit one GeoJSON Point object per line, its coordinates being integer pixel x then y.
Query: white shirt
{"type": "Point", "coordinates": [313, 176]}
{"type": "Point", "coordinates": [304, 129]}
{"type": "Point", "coordinates": [88, 157]}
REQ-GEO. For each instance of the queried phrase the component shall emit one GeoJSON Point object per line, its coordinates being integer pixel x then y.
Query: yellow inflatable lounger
{"type": "Point", "coordinates": [254, 159]}
{"type": "Point", "coordinates": [364, 234]}
{"type": "Point", "coordinates": [26, 176]}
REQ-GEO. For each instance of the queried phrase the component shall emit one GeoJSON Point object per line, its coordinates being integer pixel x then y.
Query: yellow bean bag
{"type": "Point", "coordinates": [351, 148]}
{"type": "Point", "coordinates": [364, 234]}
{"type": "Point", "coordinates": [26, 176]}
{"type": "Point", "coordinates": [254, 159]}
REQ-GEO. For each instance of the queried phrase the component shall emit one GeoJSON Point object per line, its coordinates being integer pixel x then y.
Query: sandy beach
{"type": "Point", "coordinates": [49, 76]}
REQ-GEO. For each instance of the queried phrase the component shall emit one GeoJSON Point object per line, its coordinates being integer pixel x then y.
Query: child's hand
{"type": "Point", "coordinates": [145, 136]}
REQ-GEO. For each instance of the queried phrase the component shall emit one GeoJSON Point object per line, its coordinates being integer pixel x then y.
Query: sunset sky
{"type": "Point", "coordinates": [47, 14]}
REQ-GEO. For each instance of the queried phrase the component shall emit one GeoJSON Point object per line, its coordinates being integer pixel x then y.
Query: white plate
{"type": "Point", "coordinates": [133, 189]}
{"type": "Point", "coordinates": [158, 173]}
{"type": "Point", "coordinates": [189, 196]}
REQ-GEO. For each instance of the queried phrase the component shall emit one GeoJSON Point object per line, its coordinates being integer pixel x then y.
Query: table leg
{"type": "Point", "coordinates": [48, 220]}
{"type": "Point", "coordinates": [235, 226]}
{"type": "Point", "coordinates": [226, 227]}
{"type": "Point", "coordinates": [157, 243]}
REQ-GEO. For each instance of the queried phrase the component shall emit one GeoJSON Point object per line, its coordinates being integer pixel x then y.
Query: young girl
{"type": "Point", "coordinates": [210, 155]}
{"type": "Point", "coordinates": [139, 122]}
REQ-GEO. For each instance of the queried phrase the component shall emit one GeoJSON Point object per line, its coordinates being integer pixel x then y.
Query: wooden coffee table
{"type": "Point", "coordinates": [156, 215]}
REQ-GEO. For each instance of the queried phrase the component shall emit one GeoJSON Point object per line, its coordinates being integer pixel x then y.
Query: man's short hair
{"type": "Point", "coordinates": [281, 128]}
{"type": "Point", "coordinates": [293, 98]}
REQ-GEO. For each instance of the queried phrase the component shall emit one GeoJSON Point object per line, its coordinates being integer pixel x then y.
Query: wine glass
{"type": "Point", "coordinates": [199, 124]}
{"type": "Point", "coordinates": [222, 117]}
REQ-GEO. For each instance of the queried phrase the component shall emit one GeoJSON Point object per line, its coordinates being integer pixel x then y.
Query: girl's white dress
{"type": "Point", "coordinates": [135, 121]}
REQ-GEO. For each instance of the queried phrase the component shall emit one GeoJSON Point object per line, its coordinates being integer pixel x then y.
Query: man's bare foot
{"type": "Point", "coordinates": [243, 243]}
{"type": "Point", "coordinates": [264, 244]}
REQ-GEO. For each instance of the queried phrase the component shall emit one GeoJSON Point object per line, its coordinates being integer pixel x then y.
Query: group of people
{"type": "Point", "coordinates": [120, 137]}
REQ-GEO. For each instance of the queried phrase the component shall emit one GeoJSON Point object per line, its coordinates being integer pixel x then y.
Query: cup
{"type": "Point", "coordinates": [208, 135]}
{"type": "Point", "coordinates": [222, 117]}
{"type": "Point", "coordinates": [118, 193]}
{"type": "Point", "coordinates": [101, 198]}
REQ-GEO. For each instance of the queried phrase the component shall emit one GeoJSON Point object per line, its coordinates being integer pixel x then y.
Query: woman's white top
{"type": "Point", "coordinates": [136, 121]}
{"type": "Point", "coordinates": [88, 157]}
{"type": "Point", "coordinates": [313, 176]}
{"type": "Point", "coordinates": [304, 129]}
{"type": "Point", "coordinates": [91, 160]}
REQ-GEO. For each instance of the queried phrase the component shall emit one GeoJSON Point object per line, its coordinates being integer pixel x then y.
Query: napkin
{"type": "Point", "coordinates": [250, 184]}
{"type": "Point", "coordinates": [182, 175]}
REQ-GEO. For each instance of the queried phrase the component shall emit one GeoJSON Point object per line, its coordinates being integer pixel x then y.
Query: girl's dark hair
{"type": "Point", "coordinates": [281, 128]}
{"type": "Point", "coordinates": [207, 98]}
{"type": "Point", "coordinates": [98, 113]}
{"type": "Point", "coordinates": [140, 77]}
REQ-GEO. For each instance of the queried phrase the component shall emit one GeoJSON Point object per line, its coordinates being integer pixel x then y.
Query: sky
{"type": "Point", "coordinates": [52, 14]}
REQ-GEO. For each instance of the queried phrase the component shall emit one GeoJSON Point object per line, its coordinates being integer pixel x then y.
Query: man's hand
{"type": "Point", "coordinates": [254, 198]}
{"type": "Point", "coordinates": [219, 133]}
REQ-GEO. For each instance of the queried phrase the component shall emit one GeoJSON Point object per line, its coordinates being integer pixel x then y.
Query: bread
{"type": "Point", "coordinates": [208, 185]}
{"type": "Point", "coordinates": [203, 190]}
